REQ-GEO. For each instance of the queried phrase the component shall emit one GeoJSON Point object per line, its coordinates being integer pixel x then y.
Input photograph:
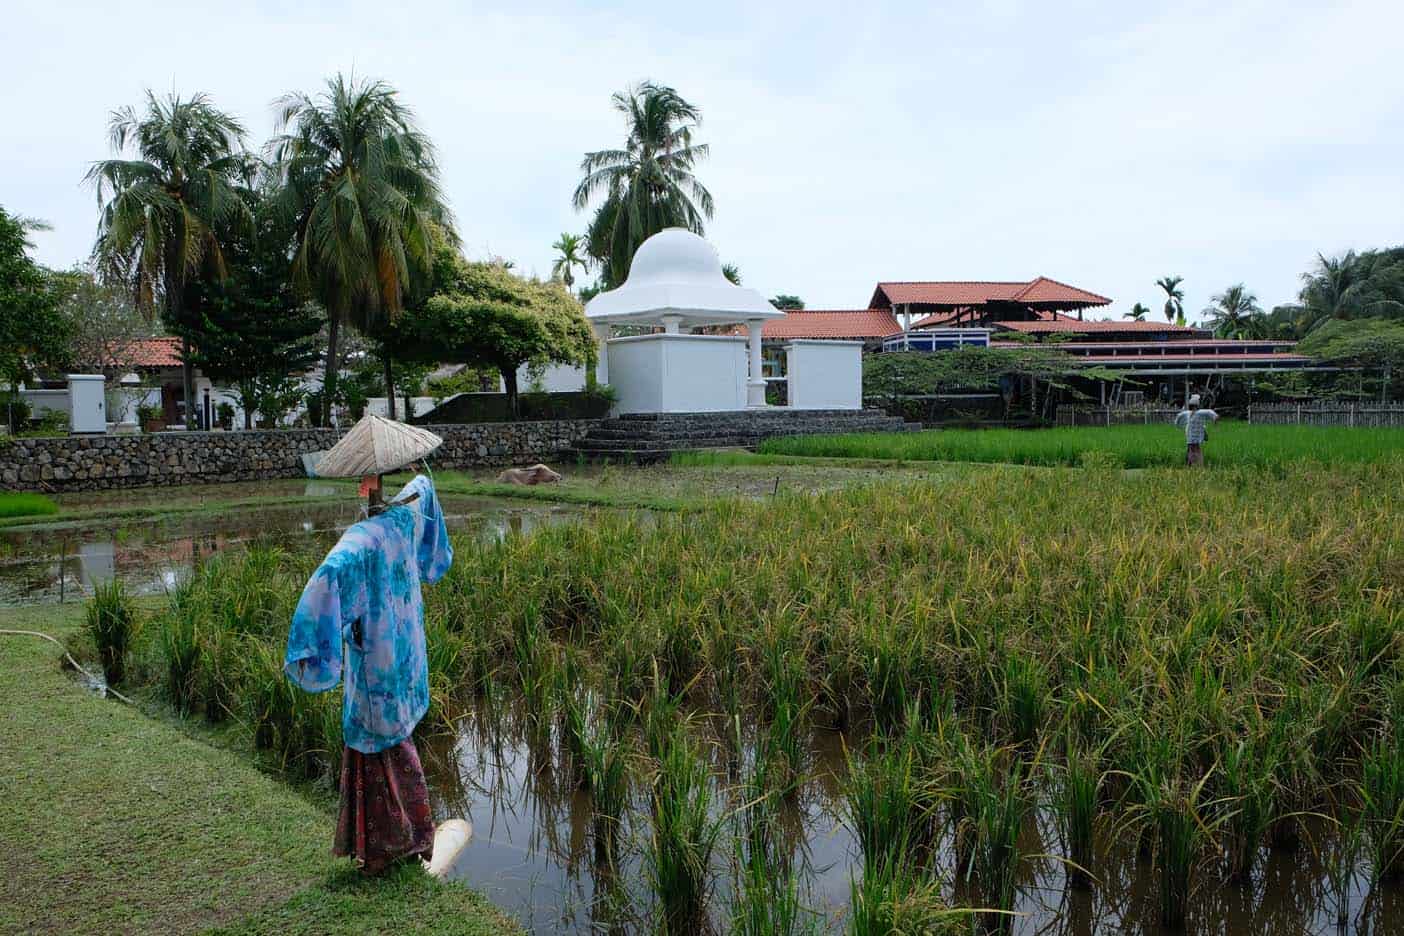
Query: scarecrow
{"type": "Point", "coordinates": [360, 622]}
{"type": "Point", "coordinates": [1195, 422]}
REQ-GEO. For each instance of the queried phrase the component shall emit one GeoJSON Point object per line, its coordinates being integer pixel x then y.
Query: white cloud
{"type": "Point", "coordinates": [1101, 144]}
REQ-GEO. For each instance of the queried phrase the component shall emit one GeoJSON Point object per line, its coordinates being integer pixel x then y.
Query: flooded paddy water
{"type": "Point", "coordinates": [143, 538]}
{"type": "Point", "coordinates": [532, 853]}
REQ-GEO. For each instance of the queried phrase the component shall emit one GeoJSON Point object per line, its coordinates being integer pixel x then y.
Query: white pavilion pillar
{"type": "Point", "coordinates": [602, 342]}
{"type": "Point", "coordinates": [755, 387]}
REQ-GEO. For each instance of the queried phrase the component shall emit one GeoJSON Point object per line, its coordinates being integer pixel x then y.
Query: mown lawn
{"type": "Point", "coordinates": [115, 821]}
{"type": "Point", "coordinates": [1230, 443]}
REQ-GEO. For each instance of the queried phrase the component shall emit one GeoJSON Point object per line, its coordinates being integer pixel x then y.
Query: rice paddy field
{"type": "Point", "coordinates": [25, 504]}
{"type": "Point", "coordinates": [1077, 700]}
{"type": "Point", "coordinates": [1130, 446]}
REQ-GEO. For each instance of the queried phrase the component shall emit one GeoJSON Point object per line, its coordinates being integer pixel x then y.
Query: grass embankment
{"type": "Point", "coordinates": [1196, 669]}
{"type": "Point", "coordinates": [25, 504]}
{"type": "Point", "coordinates": [1230, 444]}
{"type": "Point", "coordinates": [119, 822]}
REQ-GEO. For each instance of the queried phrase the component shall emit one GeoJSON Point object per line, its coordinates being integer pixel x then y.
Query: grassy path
{"type": "Point", "coordinates": [118, 822]}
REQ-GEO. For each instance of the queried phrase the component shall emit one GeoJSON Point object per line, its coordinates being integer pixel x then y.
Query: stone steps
{"type": "Point", "coordinates": [651, 437]}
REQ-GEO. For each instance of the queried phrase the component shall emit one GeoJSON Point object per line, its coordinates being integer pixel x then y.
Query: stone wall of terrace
{"type": "Point", "coordinates": [86, 463]}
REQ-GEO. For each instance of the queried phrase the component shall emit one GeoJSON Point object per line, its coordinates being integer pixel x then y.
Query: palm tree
{"type": "Point", "coordinates": [177, 189]}
{"type": "Point", "coordinates": [1235, 313]}
{"type": "Point", "coordinates": [362, 181]}
{"type": "Point", "coordinates": [648, 185]}
{"type": "Point", "coordinates": [732, 273]}
{"type": "Point", "coordinates": [1138, 313]}
{"type": "Point", "coordinates": [569, 257]}
{"type": "Point", "coordinates": [1174, 298]}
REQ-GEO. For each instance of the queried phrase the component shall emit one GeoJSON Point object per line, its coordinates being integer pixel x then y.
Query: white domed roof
{"type": "Point", "coordinates": [675, 272]}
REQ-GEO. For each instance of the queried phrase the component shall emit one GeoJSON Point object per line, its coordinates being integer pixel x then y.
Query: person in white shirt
{"type": "Point", "coordinates": [1195, 420]}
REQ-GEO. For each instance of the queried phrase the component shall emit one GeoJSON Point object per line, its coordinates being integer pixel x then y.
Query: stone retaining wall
{"type": "Point", "coordinates": [85, 463]}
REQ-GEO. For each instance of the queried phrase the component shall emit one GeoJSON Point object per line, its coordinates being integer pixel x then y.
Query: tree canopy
{"type": "Point", "coordinates": [1235, 313]}
{"type": "Point", "coordinates": [787, 302]}
{"type": "Point", "coordinates": [649, 184]}
{"type": "Point", "coordinates": [362, 182]}
{"type": "Point", "coordinates": [483, 314]}
{"type": "Point", "coordinates": [254, 331]}
{"type": "Point", "coordinates": [33, 331]}
{"type": "Point", "coordinates": [168, 201]}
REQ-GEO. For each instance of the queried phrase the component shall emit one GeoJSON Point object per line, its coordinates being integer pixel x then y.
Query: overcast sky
{"type": "Point", "coordinates": [1102, 144]}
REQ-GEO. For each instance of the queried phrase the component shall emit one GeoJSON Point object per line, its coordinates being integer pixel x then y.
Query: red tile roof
{"type": "Point", "coordinates": [960, 318]}
{"type": "Point", "coordinates": [962, 293]}
{"type": "Point", "coordinates": [152, 352]}
{"type": "Point", "coordinates": [832, 323]}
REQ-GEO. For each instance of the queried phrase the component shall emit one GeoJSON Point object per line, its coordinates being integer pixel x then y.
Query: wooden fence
{"type": "Point", "coordinates": [1316, 413]}
{"type": "Point", "coordinates": [1330, 413]}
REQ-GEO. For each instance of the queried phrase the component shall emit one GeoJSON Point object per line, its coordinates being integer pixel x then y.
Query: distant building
{"type": "Point", "coordinates": [941, 315]}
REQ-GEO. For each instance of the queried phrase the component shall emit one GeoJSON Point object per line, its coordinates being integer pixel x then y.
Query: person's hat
{"type": "Point", "coordinates": [375, 446]}
{"type": "Point", "coordinates": [1194, 400]}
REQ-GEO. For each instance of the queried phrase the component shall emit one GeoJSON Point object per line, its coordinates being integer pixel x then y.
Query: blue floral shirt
{"type": "Point", "coordinates": [365, 597]}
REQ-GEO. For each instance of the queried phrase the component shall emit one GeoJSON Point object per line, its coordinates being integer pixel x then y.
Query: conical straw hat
{"type": "Point", "coordinates": [376, 445]}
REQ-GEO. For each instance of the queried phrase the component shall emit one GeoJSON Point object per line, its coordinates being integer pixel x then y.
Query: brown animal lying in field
{"type": "Point", "coordinates": [536, 474]}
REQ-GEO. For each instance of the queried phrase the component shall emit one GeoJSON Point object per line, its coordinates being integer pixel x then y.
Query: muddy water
{"type": "Point", "coordinates": [532, 855]}
{"type": "Point", "coordinates": [62, 561]}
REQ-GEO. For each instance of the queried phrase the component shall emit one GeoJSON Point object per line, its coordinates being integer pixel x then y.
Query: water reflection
{"type": "Point", "coordinates": [532, 855]}
{"type": "Point", "coordinates": [56, 564]}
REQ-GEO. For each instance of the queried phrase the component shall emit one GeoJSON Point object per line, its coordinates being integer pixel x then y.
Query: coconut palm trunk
{"type": "Point", "coordinates": [389, 364]}
{"type": "Point", "coordinates": [333, 368]}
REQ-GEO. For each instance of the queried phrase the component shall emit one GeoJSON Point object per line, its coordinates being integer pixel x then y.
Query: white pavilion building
{"type": "Point", "coordinates": [675, 283]}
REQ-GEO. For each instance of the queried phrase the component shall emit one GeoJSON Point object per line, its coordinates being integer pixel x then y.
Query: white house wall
{"type": "Point", "coordinates": [665, 373]}
{"type": "Point", "coordinates": [825, 374]}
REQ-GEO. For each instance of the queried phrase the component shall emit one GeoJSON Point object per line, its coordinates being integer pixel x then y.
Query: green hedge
{"type": "Point", "coordinates": [492, 407]}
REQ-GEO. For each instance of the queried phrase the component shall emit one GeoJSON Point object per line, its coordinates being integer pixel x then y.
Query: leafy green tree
{"type": "Point", "coordinates": [1371, 343]}
{"type": "Point", "coordinates": [1235, 313]}
{"type": "Point", "coordinates": [488, 316]}
{"type": "Point", "coordinates": [1352, 286]}
{"type": "Point", "coordinates": [732, 273]}
{"type": "Point", "coordinates": [787, 302]}
{"type": "Point", "coordinates": [649, 184]}
{"type": "Point", "coordinates": [103, 322]}
{"type": "Point", "coordinates": [178, 186]}
{"type": "Point", "coordinates": [362, 181]}
{"type": "Point", "coordinates": [906, 373]}
{"type": "Point", "coordinates": [569, 256]}
{"type": "Point", "coordinates": [1138, 313]}
{"type": "Point", "coordinates": [33, 330]}
{"type": "Point", "coordinates": [1174, 298]}
{"type": "Point", "coordinates": [255, 331]}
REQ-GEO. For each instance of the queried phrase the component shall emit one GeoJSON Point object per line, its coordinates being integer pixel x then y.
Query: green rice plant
{"type": "Point", "coordinates": [1077, 803]}
{"type": "Point", "coordinates": [26, 504]}
{"type": "Point", "coordinates": [111, 622]}
{"type": "Point", "coordinates": [292, 724]}
{"type": "Point", "coordinates": [767, 902]}
{"type": "Point", "coordinates": [1023, 698]}
{"type": "Point", "coordinates": [1131, 446]}
{"type": "Point", "coordinates": [1382, 792]}
{"type": "Point", "coordinates": [892, 897]}
{"type": "Point", "coordinates": [178, 637]}
{"type": "Point", "coordinates": [785, 746]}
{"type": "Point", "coordinates": [1172, 812]}
{"type": "Point", "coordinates": [684, 835]}
{"type": "Point", "coordinates": [1248, 786]}
{"type": "Point", "coordinates": [999, 798]}
{"type": "Point", "coordinates": [883, 800]}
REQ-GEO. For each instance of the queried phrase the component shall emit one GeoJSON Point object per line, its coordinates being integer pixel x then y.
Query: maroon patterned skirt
{"type": "Point", "coordinates": [384, 807]}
